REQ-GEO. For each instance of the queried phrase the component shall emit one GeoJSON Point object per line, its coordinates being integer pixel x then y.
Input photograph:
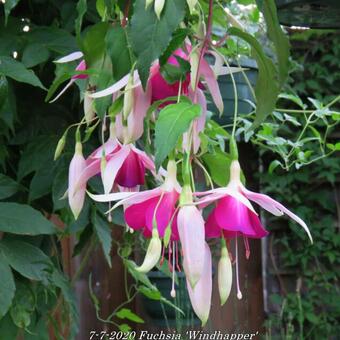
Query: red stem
{"type": "Point", "coordinates": [126, 13]}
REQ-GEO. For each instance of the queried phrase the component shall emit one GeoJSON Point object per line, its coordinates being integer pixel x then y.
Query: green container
{"type": "Point", "coordinates": [309, 13]}
{"type": "Point", "coordinates": [154, 308]}
{"type": "Point", "coordinates": [243, 92]}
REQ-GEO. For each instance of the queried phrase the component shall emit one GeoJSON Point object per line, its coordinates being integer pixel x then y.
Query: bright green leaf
{"type": "Point", "coordinates": [172, 122]}
{"type": "Point", "coordinates": [219, 167]}
{"type": "Point", "coordinates": [126, 313]}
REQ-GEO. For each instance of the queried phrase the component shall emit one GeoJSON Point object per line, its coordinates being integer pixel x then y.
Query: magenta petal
{"type": "Point", "coordinates": [212, 229]}
{"type": "Point", "coordinates": [132, 171]}
{"type": "Point", "coordinates": [165, 210]}
{"type": "Point", "coordinates": [232, 215]}
{"type": "Point", "coordinates": [81, 67]}
{"type": "Point", "coordinates": [135, 214]}
{"type": "Point", "coordinates": [200, 295]}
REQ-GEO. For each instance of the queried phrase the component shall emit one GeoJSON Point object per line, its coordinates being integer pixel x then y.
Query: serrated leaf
{"type": "Point", "coordinates": [26, 259]}
{"type": "Point", "coordinates": [126, 313]}
{"type": "Point", "coordinates": [7, 286]}
{"type": "Point", "coordinates": [24, 220]}
{"type": "Point", "coordinates": [103, 232]}
{"type": "Point", "coordinates": [172, 122]}
{"type": "Point", "coordinates": [150, 36]}
{"type": "Point", "coordinates": [267, 88]}
{"type": "Point", "coordinates": [17, 71]}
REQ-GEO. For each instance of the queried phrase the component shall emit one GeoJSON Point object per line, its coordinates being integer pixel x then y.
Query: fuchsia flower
{"type": "Point", "coordinates": [80, 67]}
{"type": "Point", "coordinates": [146, 209]}
{"type": "Point", "coordinates": [234, 214]}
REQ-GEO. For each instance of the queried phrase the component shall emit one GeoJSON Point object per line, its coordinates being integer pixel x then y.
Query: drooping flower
{"type": "Point", "coordinates": [234, 214]}
{"type": "Point", "coordinates": [146, 209]}
{"type": "Point", "coordinates": [80, 67]}
{"type": "Point", "coordinates": [76, 196]}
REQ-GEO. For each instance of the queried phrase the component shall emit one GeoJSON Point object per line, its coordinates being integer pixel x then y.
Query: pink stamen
{"type": "Point", "coordinates": [239, 293]}
{"type": "Point", "coordinates": [246, 245]}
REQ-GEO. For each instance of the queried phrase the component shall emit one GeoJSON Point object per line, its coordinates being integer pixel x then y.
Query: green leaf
{"type": "Point", "coordinates": [8, 187]}
{"type": "Point", "coordinates": [150, 36]}
{"type": "Point", "coordinates": [41, 183]}
{"type": "Point", "coordinates": [103, 232]}
{"type": "Point", "coordinates": [7, 286]}
{"type": "Point", "coordinates": [81, 10]}
{"type": "Point", "coordinates": [219, 167]}
{"type": "Point", "coordinates": [267, 88]}
{"type": "Point", "coordinates": [279, 39]}
{"type": "Point", "coordinates": [139, 277]}
{"type": "Point", "coordinates": [35, 54]}
{"type": "Point", "coordinates": [101, 105]}
{"type": "Point", "coordinates": [93, 45]}
{"type": "Point", "coordinates": [8, 6]}
{"type": "Point", "coordinates": [24, 220]}
{"type": "Point", "coordinates": [3, 90]}
{"type": "Point", "coordinates": [177, 39]}
{"type": "Point", "coordinates": [23, 305]}
{"type": "Point", "coordinates": [118, 49]}
{"type": "Point", "coordinates": [273, 165]}
{"type": "Point", "coordinates": [26, 259]}
{"type": "Point", "coordinates": [126, 313]}
{"type": "Point", "coordinates": [37, 154]}
{"type": "Point", "coordinates": [172, 122]}
{"type": "Point", "coordinates": [297, 100]}
{"type": "Point", "coordinates": [17, 71]}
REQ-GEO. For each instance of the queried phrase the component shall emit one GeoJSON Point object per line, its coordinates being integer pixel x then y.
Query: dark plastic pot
{"type": "Point", "coordinates": [154, 308]}
{"type": "Point", "coordinates": [243, 92]}
{"type": "Point", "coordinates": [309, 13]}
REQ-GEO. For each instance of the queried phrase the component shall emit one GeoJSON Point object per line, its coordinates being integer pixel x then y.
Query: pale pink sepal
{"type": "Point", "coordinates": [212, 84]}
{"type": "Point", "coordinates": [70, 57]}
{"type": "Point", "coordinates": [91, 169]}
{"type": "Point", "coordinates": [112, 167]}
{"type": "Point", "coordinates": [200, 295]}
{"type": "Point", "coordinates": [191, 232]}
{"type": "Point", "coordinates": [76, 196]}
{"type": "Point", "coordinates": [107, 148]}
{"type": "Point", "coordinates": [276, 208]}
{"type": "Point", "coordinates": [117, 86]}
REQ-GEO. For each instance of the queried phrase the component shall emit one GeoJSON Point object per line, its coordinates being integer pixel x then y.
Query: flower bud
{"type": "Point", "coordinates": [153, 253]}
{"type": "Point", "coordinates": [128, 98]}
{"type": "Point", "coordinates": [89, 111]}
{"type": "Point", "coordinates": [158, 6]}
{"type": "Point", "coordinates": [225, 276]}
{"type": "Point", "coordinates": [194, 63]}
{"type": "Point", "coordinates": [60, 147]}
